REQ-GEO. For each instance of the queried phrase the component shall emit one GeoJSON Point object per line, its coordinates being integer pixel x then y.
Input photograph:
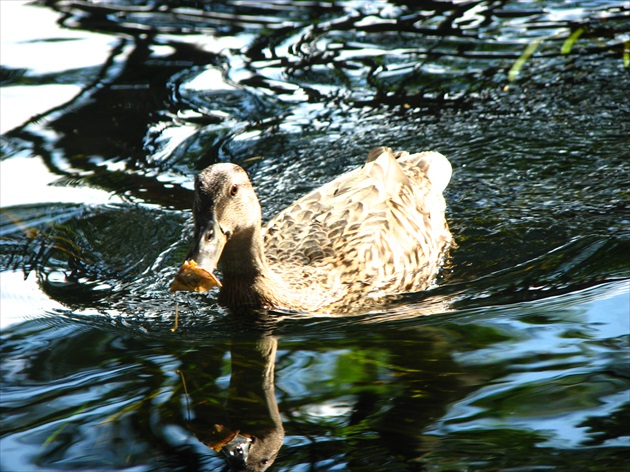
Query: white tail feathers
{"type": "Point", "coordinates": [438, 169]}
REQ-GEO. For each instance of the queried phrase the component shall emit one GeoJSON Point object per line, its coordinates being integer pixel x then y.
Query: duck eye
{"type": "Point", "coordinates": [233, 190]}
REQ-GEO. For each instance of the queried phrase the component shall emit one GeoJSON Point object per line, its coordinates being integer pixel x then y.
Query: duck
{"type": "Point", "coordinates": [376, 231]}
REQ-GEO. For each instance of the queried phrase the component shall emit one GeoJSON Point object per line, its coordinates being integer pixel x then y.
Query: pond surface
{"type": "Point", "coordinates": [517, 359]}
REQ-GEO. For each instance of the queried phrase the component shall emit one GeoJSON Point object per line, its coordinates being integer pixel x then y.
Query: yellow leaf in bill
{"type": "Point", "coordinates": [192, 278]}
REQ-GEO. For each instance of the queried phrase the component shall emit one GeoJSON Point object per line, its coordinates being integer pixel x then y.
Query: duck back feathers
{"type": "Point", "coordinates": [374, 231]}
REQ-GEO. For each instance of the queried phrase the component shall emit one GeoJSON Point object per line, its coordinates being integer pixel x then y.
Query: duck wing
{"type": "Point", "coordinates": [379, 228]}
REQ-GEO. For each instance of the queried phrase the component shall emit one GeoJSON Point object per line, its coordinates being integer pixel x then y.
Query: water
{"type": "Point", "coordinates": [516, 360]}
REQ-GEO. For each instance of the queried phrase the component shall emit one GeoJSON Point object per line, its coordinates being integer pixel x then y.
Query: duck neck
{"type": "Point", "coordinates": [247, 278]}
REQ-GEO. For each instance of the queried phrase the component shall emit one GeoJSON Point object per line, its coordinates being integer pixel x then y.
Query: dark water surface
{"type": "Point", "coordinates": [518, 358]}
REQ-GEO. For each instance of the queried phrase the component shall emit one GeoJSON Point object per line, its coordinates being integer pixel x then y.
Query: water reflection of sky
{"type": "Point", "coordinates": [579, 337]}
{"type": "Point", "coordinates": [54, 50]}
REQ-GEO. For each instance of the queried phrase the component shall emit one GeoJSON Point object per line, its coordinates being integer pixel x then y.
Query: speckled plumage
{"type": "Point", "coordinates": [374, 231]}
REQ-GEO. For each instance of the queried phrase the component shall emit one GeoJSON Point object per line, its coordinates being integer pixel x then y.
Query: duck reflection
{"type": "Point", "coordinates": [248, 430]}
{"type": "Point", "coordinates": [250, 433]}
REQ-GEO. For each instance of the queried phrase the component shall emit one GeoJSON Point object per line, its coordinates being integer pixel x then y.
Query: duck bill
{"type": "Point", "coordinates": [208, 246]}
{"type": "Point", "coordinates": [237, 452]}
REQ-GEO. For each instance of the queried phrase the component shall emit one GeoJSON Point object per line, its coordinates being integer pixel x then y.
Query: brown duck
{"type": "Point", "coordinates": [375, 231]}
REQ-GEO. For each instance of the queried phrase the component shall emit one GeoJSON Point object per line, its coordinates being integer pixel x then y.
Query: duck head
{"type": "Point", "coordinates": [226, 214]}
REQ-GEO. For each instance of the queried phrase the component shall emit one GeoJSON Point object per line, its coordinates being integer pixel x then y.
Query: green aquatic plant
{"type": "Point", "coordinates": [571, 40]}
{"type": "Point", "coordinates": [568, 46]}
